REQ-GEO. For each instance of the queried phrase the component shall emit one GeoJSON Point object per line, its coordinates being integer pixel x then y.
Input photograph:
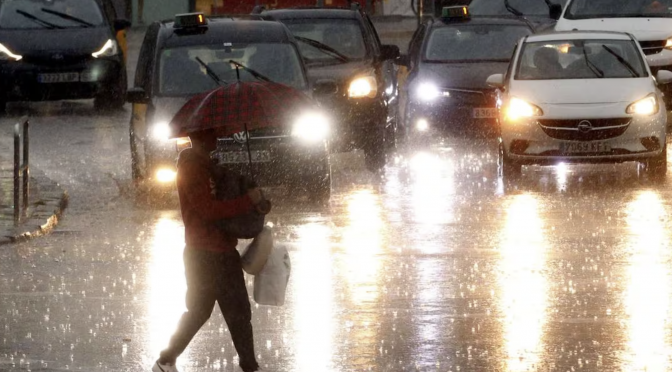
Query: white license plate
{"type": "Point", "coordinates": [65, 77]}
{"type": "Point", "coordinates": [485, 113]}
{"type": "Point", "coordinates": [584, 147]}
{"type": "Point", "coordinates": [258, 156]}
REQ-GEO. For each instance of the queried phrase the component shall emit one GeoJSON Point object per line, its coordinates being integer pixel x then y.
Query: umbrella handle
{"type": "Point", "coordinates": [249, 152]}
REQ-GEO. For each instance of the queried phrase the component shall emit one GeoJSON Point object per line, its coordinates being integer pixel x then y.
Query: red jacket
{"type": "Point", "coordinates": [200, 210]}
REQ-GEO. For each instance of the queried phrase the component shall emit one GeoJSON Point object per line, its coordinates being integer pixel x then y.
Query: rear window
{"type": "Point", "coordinates": [27, 14]}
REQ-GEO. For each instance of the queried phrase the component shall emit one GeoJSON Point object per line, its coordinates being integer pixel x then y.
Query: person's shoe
{"type": "Point", "coordinates": [164, 367]}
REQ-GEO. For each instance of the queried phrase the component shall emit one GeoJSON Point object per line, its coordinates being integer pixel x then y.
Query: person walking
{"type": "Point", "coordinates": [213, 267]}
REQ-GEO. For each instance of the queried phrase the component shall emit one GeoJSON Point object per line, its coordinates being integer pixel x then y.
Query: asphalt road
{"type": "Point", "coordinates": [435, 265]}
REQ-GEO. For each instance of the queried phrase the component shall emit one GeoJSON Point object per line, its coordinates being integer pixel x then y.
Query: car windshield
{"type": "Point", "coordinates": [31, 14]}
{"type": "Point", "coordinates": [581, 9]}
{"type": "Point", "coordinates": [181, 74]}
{"type": "Point", "coordinates": [473, 42]}
{"type": "Point", "coordinates": [345, 36]}
{"type": "Point", "coordinates": [498, 7]}
{"type": "Point", "coordinates": [580, 59]}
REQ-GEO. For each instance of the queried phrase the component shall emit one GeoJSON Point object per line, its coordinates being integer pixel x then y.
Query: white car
{"type": "Point", "coordinates": [585, 97]}
{"type": "Point", "coordinates": [650, 21]}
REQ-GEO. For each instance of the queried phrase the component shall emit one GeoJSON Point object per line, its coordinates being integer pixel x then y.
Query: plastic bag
{"type": "Point", "coordinates": [270, 284]}
{"type": "Point", "coordinates": [256, 254]}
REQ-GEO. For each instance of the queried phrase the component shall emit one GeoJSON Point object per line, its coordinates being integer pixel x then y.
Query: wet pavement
{"type": "Point", "coordinates": [433, 265]}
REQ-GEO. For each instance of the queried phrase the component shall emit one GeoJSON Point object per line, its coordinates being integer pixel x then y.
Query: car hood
{"type": "Point", "coordinates": [338, 72]}
{"type": "Point", "coordinates": [460, 75]}
{"type": "Point", "coordinates": [641, 28]}
{"type": "Point", "coordinates": [581, 91]}
{"type": "Point", "coordinates": [42, 42]}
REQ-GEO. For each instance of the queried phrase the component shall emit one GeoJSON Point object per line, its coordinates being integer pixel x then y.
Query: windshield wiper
{"type": "Point", "coordinates": [599, 73]}
{"type": "Point", "coordinates": [251, 71]}
{"type": "Point", "coordinates": [68, 17]}
{"type": "Point", "coordinates": [37, 20]}
{"type": "Point", "coordinates": [210, 73]}
{"type": "Point", "coordinates": [512, 10]}
{"type": "Point", "coordinates": [621, 60]}
{"type": "Point", "coordinates": [324, 48]}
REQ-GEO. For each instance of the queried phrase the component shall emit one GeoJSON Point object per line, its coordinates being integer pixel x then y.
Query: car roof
{"type": "Point", "coordinates": [479, 20]}
{"type": "Point", "coordinates": [573, 35]}
{"type": "Point", "coordinates": [291, 13]}
{"type": "Point", "coordinates": [226, 30]}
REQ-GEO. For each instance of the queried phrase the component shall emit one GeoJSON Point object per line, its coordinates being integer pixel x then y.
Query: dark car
{"type": "Point", "coordinates": [354, 76]}
{"type": "Point", "coordinates": [61, 49]}
{"type": "Point", "coordinates": [541, 13]}
{"type": "Point", "coordinates": [449, 60]}
{"type": "Point", "coordinates": [174, 64]}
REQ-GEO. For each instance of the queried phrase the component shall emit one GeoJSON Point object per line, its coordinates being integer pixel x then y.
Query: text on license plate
{"type": "Point", "coordinates": [485, 113]}
{"type": "Point", "coordinates": [584, 147]}
{"type": "Point", "coordinates": [258, 156]}
{"type": "Point", "coordinates": [65, 77]}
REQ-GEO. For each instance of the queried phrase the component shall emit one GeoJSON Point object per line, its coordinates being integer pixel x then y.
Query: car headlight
{"type": "Point", "coordinates": [312, 127]}
{"type": "Point", "coordinates": [645, 106]}
{"type": "Point", "coordinates": [668, 43]}
{"type": "Point", "coordinates": [161, 131]}
{"type": "Point", "coordinates": [518, 108]}
{"type": "Point", "coordinates": [7, 55]}
{"type": "Point", "coordinates": [365, 86]}
{"type": "Point", "coordinates": [428, 92]}
{"type": "Point", "coordinates": [108, 50]}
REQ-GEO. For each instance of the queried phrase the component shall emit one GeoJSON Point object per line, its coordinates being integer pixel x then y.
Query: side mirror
{"type": "Point", "coordinates": [121, 24]}
{"type": "Point", "coordinates": [403, 60]}
{"type": "Point", "coordinates": [495, 81]}
{"type": "Point", "coordinates": [554, 11]}
{"type": "Point", "coordinates": [137, 95]}
{"type": "Point", "coordinates": [325, 87]}
{"type": "Point", "coordinates": [664, 77]}
{"type": "Point", "coordinates": [388, 52]}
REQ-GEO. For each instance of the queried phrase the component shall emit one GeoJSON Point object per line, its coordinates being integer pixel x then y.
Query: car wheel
{"type": "Point", "coordinates": [657, 165]}
{"type": "Point", "coordinates": [508, 168]}
{"type": "Point", "coordinates": [112, 97]}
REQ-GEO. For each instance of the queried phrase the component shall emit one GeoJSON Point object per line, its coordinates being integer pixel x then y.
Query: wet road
{"type": "Point", "coordinates": [434, 265]}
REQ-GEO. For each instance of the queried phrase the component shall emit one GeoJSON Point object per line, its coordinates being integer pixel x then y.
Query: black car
{"type": "Point", "coordinates": [184, 57]}
{"type": "Point", "coordinates": [61, 49]}
{"type": "Point", "coordinates": [449, 61]}
{"type": "Point", "coordinates": [354, 76]}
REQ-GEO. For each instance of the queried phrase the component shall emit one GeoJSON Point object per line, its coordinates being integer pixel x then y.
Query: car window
{"type": "Point", "coordinates": [346, 36]}
{"type": "Point", "coordinates": [498, 7]}
{"type": "Point", "coordinates": [619, 8]}
{"type": "Point", "coordinates": [473, 42]}
{"type": "Point", "coordinates": [22, 14]}
{"type": "Point", "coordinates": [181, 74]}
{"type": "Point", "coordinates": [580, 59]}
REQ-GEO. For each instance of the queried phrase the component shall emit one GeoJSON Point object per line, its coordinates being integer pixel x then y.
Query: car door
{"type": "Point", "coordinates": [387, 72]}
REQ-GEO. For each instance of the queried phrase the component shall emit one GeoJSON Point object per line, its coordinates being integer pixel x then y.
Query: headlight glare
{"type": "Point", "coordinates": [165, 175]}
{"type": "Point", "coordinates": [518, 108]}
{"type": "Point", "coordinates": [645, 106]}
{"type": "Point", "coordinates": [7, 55]}
{"type": "Point", "coordinates": [108, 50]}
{"type": "Point", "coordinates": [311, 127]}
{"type": "Point", "coordinates": [161, 131]}
{"type": "Point", "coordinates": [365, 86]}
{"type": "Point", "coordinates": [428, 92]}
{"type": "Point", "coordinates": [668, 44]}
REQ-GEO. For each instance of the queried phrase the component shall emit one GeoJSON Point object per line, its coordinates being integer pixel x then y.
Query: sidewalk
{"type": "Point", "coordinates": [46, 202]}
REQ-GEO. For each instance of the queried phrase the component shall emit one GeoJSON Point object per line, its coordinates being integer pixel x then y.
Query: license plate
{"type": "Point", "coordinates": [65, 77]}
{"type": "Point", "coordinates": [584, 147]}
{"type": "Point", "coordinates": [234, 157]}
{"type": "Point", "coordinates": [485, 113]}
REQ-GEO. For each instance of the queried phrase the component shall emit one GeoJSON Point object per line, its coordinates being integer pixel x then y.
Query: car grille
{"type": "Point", "coordinates": [471, 98]}
{"type": "Point", "coordinates": [584, 130]}
{"type": "Point", "coordinates": [653, 47]}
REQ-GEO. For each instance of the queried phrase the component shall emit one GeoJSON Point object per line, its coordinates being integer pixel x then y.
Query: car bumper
{"type": "Point", "coordinates": [527, 143]}
{"type": "Point", "coordinates": [22, 80]}
{"type": "Point", "coordinates": [440, 118]}
{"type": "Point", "coordinates": [356, 123]}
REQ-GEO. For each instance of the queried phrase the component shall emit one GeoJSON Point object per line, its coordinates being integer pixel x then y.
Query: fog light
{"type": "Point", "coordinates": [165, 175]}
{"type": "Point", "coordinates": [422, 125]}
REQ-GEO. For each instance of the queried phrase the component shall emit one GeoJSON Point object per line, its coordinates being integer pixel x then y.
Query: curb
{"type": "Point", "coordinates": [46, 210]}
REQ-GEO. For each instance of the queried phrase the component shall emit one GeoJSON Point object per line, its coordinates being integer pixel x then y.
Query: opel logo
{"type": "Point", "coordinates": [57, 56]}
{"type": "Point", "coordinates": [241, 137]}
{"type": "Point", "coordinates": [585, 126]}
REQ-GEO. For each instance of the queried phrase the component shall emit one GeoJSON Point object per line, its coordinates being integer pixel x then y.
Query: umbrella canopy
{"type": "Point", "coordinates": [238, 107]}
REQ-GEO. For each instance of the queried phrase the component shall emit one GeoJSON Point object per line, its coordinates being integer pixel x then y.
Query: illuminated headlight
{"type": "Point", "coordinates": [363, 87]}
{"type": "Point", "coordinates": [165, 175]}
{"type": "Point", "coordinates": [645, 106]}
{"type": "Point", "coordinates": [518, 108]}
{"type": "Point", "coordinates": [668, 44]}
{"type": "Point", "coordinates": [313, 127]}
{"type": "Point", "coordinates": [429, 92]}
{"type": "Point", "coordinates": [161, 131]}
{"type": "Point", "coordinates": [422, 125]}
{"type": "Point", "coordinates": [108, 50]}
{"type": "Point", "coordinates": [7, 55]}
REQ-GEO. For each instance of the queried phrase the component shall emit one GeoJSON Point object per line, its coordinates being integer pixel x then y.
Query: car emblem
{"type": "Point", "coordinates": [585, 126]}
{"type": "Point", "coordinates": [241, 137]}
{"type": "Point", "coordinates": [57, 56]}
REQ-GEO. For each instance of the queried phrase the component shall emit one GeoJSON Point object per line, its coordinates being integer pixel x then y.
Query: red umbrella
{"type": "Point", "coordinates": [238, 107]}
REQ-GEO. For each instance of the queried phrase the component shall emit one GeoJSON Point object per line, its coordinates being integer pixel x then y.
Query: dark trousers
{"type": "Point", "coordinates": [211, 277]}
